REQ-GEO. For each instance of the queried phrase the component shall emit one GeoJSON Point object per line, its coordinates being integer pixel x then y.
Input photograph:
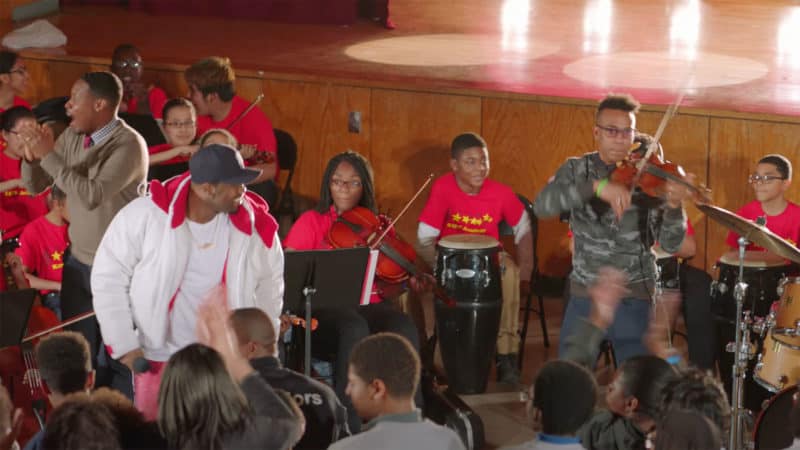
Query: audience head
{"type": "Point", "coordinates": [65, 364]}
{"type": "Point", "coordinates": [687, 430]}
{"type": "Point", "coordinates": [384, 370]}
{"type": "Point", "coordinates": [563, 397]}
{"type": "Point", "coordinates": [211, 84]}
{"type": "Point", "coordinates": [94, 101]}
{"type": "Point", "coordinates": [218, 136]}
{"type": "Point", "coordinates": [12, 121]}
{"type": "Point", "coordinates": [81, 424]}
{"type": "Point", "coordinates": [134, 430]}
{"type": "Point", "coordinates": [180, 121]}
{"type": "Point", "coordinates": [637, 386]}
{"type": "Point", "coordinates": [255, 333]}
{"type": "Point", "coordinates": [615, 125]}
{"type": "Point", "coordinates": [469, 160]}
{"type": "Point", "coordinates": [126, 63]}
{"type": "Point", "coordinates": [57, 201]}
{"type": "Point", "coordinates": [347, 183]}
{"type": "Point", "coordinates": [13, 73]}
{"type": "Point", "coordinates": [695, 390]}
{"type": "Point", "coordinates": [219, 176]}
{"type": "Point", "coordinates": [198, 402]}
{"type": "Point", "coordinates": [772, 177]}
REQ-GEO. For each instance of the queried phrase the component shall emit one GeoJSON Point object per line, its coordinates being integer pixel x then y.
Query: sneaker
{"type": "Point", "coordinates": [507, 371]}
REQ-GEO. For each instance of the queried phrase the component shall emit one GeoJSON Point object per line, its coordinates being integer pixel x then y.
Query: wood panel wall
{"type": "Point", "coordinates": [406, 133]}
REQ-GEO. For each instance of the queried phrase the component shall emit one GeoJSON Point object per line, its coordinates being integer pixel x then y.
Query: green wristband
{"type": "Point", "coordinates": [602, 184]}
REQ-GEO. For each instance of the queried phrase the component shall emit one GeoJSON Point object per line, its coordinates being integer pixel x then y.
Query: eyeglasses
{"type": "Point", "coordinates": [763, 179]}
{"type": "Point", "coordinates": [613, 132]}
{"type": "Point", "coordinates": [20, 70]}
{"type": "Point", "coordinates": [187, 124]}
{"type": "Point", "coordinates": [126, 64]}
{"type": "Point", "coordinates": [341, 184]}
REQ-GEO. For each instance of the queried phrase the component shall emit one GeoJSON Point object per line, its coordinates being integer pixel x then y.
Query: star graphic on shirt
{"type": "Point", "coordinates": [475, 221]}
{"type": "Point", "coordinates": [456, 217]}
{"type": "Point", "coordinates": [56, 256]}
{"type": "Point", "coordinates": [466, 219]}
{"type": "Point", "coordinates": [487, 218]}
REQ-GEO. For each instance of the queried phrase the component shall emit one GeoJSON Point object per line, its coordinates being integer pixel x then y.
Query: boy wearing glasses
{"type": "Point", "coordinates": [771, 179]}
{"type": "Point", "coordinates": [612, 226]}
{"type": "Point", "coordinates": [137, 97]}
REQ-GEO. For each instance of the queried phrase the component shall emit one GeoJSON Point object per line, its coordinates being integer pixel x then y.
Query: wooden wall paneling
{"type": "Point", "coordinates": [685, 142]}
{"type": "Point", "coordinates": [736, 145]}
{"type": "Point", "coordinates": [50, 78]}
{"type": "Point", "coordinates": [411, 136]}
{"type": "Point", "coordinates": [171, 81]}
{"type": "Point", "coordinates": [316, 115]}
{"type": "Point", "coordinates": [528, 142]}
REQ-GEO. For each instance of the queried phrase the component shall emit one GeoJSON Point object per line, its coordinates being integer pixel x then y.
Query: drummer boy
{"type": "Point", "coordinates": [466, 201]}
{"type": "Point", "coordinates": [770, 181]}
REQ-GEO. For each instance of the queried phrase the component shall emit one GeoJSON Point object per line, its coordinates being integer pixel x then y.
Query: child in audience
{"type": "Point", "coordinates": [42, 245]}
{"type": "Point", "coordinates": [696, 390]}
{"type": "Point", "coordinates": [562, 400]}
{"type": "Point", "coordinates": [137, 97]}
{"type": "Point", "coordinates": [65, 368]}
{"type": "Point", "coordinates": [13, 81]}
{"type": "Point", "coordinates": [218, 136]}
{"type": "Point", "coordinates": [326, 417]}
{"type": "Point", "coordinates": [81, 424]}
{"type": "Point", "coordinates": [382, 379]}
{"type": "Point", "coordinates": [205, 391]}
{"type": "Point", "coordinates": [180, 127]}
{"type": "Point", "coordinates": [687, 430]}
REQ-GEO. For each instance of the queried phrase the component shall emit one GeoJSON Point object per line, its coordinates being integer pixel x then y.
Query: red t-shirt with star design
{"type": "Point", "coordinates": [41, 247]}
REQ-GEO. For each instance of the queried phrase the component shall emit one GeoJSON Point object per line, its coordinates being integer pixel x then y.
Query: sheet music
{"type": "Point", "coordinates": [372, 264]}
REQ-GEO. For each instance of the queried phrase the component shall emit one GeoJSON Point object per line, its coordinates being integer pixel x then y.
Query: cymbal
{"type": "Point", "coordinates": [757, 234]}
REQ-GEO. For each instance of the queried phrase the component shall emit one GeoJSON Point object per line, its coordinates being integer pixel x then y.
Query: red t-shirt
{"type": "Point", "coordinates": [785, 224]}
{"type": "Point", "coordinates": [164, 147]}
{"type": "Point", "coordinates": [156, 99]}
{"type": "Point", "coordinates": [253, 129]}
{"type": "Point", "coordinates": [41, 247]}
{"type": "Point", "coordinates": [310, 232]}
{"type": "Point", "coordinates": [452, 211]}
{"type": "Point", "coordinates": [19, 205]}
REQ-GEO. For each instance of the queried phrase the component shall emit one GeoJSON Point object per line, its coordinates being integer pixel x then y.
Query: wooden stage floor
{"type": "Point", "coordinates": [727, 55]}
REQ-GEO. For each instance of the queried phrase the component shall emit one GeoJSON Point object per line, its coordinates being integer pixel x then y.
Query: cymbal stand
{"type": "Point", "coordinates": [743, 351]}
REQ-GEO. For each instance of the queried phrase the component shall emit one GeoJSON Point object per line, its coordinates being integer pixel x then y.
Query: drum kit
{"type": "Point", "coordinates": [745, 295]}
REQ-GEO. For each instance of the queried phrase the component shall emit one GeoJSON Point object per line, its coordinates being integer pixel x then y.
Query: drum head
{"type": "Point", "coordinates": [773, 429]}
{"type": "Point", "coordinates": [468, 242]}
{"type": "Point", "coordinates": [753, 259]}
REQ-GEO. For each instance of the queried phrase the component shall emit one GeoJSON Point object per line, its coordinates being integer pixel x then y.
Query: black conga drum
{"type": "Point", "coordinates": [468, 268]}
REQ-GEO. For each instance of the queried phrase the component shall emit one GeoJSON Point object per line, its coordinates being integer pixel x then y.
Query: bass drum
{"type": "Point", "coordinates": [773, 430]}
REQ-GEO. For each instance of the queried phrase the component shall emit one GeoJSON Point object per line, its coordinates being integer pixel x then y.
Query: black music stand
{"type": "Point", "coordinates": [334, 278]}
{"type": "Point", "coordinates": [147, 126]}
{"type": "Point", "coordinates": [15, 307]}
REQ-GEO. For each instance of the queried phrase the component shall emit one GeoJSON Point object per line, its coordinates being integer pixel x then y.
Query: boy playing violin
{"type": "Point", "coordinates": [466, 201]}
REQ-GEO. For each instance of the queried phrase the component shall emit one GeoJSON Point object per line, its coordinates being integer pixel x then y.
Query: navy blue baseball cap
{"type": "Point", "coordinates": [217, 163]}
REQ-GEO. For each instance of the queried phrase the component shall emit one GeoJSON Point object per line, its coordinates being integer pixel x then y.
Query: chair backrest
{"type": "Point", "coordinates": [287, 150]}
{"type": "Point", "coordinates": [506, 230]}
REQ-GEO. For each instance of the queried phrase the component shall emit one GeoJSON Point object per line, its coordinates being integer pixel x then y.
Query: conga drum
{"type": "Point", "coordinates": [468, 268]}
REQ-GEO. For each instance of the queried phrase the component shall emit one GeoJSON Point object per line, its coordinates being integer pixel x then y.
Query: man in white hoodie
{"type": "Point", "coordinates": [163, 253]}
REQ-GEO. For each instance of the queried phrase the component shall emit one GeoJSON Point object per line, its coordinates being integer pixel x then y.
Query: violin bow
{"type": "Point", "coordinates": [75, 319]}
{"type": "Point", "coordinates": [249, 108]}
{"type": "Point", "coordinates": [668, 115]}
{"type": "Point", "coordinates": [403, 211]}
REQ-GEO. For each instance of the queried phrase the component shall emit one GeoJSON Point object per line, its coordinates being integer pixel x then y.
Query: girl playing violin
{"type": "Point", "coordinates": [346, 183]}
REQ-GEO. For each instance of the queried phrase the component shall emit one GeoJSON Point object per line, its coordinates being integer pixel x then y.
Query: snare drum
{"type": "Point", "coordinates": [778, 365]}
{"type": "Point", "coordinates": [762, 273]}
{"type": "Point", "coordinates": [468, 268]}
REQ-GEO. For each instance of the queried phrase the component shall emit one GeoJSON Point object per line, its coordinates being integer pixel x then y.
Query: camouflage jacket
{"type": "Point", "coordinates": [600, 239]}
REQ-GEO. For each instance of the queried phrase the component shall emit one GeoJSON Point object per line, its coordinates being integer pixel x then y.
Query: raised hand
{"type": "Point", "coordinates": [214, 330]}
{"type": "Point", "coordinates": [38, 140]}
{"type": "Point", "coordinates": [617, 196]}
{"type": "Point", "coordinates": [606, 294]}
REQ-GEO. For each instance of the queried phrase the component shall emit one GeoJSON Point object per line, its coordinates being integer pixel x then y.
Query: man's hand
{"type": "Point", "coordinates": [616, 195]}
{"type": "Point", "coordinates": [676, 193]}
{"type": "Point", "coordinates": [247, 150]}
{"type": "Point", "coordinates": [214, 330]}
{"type": "Point", "coordinates": [129, 358]}
{"type": "Point", "coordinates": [38, 141]}
{"type": "Point", "coordinates": [606, 294]}
{"type": "Point", "coordinates": [422, 282]}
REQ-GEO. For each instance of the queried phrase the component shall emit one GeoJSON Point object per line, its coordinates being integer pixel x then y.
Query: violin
{"type": "Point", "coordinates": [650, 172]}
{"type": "Point", "coordinates": [20, 374]}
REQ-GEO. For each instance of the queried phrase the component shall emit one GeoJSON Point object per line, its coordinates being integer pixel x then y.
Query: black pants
{"type": "Point", "coordinates": [696, 290]}
{"type": "Point", "coordinates": [341, 329]}
{"type": "Point", "coordinates": [76, 298]}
